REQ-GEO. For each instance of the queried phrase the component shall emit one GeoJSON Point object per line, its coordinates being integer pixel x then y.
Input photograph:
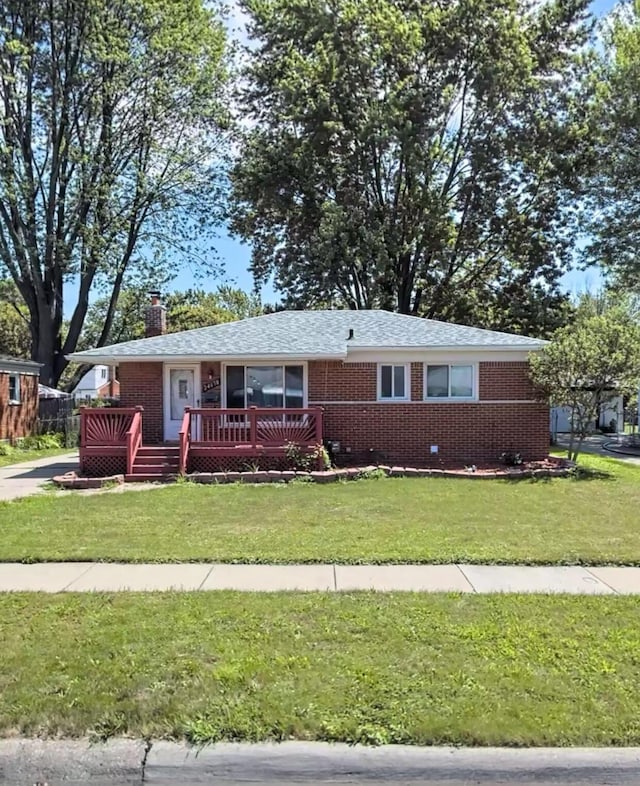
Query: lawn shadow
{"type": "Point", "coordinates": [577, 473]}
{"type": "Point", "coordinates": [588, 473]}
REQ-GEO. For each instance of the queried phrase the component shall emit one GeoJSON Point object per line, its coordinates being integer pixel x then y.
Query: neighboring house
{"type": "Point", "coordinates": [98, 382]}
{"type": "Point", "coordinates": [610, 418]}
{"type": "Point", "coordinates": [18, 397]}
{"type": "Point", "coordinates": [392, 389]}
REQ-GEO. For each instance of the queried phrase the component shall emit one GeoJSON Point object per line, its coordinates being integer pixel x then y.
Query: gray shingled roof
{"type": "Point", "coordinates": [311, 334]}
{"type": "Point", "coordinates": [9, 363]}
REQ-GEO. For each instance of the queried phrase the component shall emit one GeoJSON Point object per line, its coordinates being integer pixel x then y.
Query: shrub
{"type": "Point", "coordinates": [511, 458]}
{"type": "Point", "coordinates": [305, 460]}
{"type": "Point", "coordinates": [40, 442]}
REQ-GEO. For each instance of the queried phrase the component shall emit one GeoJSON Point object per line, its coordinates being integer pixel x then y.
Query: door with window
{"type": "Point", "coordinates": [182, 385]}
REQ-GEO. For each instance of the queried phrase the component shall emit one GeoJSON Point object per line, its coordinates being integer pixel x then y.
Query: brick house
{"type": "Point", "coordinates": [374, 386]}
{"type": "Point", "coordinates": [18, 397]}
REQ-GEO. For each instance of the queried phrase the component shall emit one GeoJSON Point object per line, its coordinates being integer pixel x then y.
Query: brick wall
{"type": "Point", "coordinates": [506, 382]}
{"type": "Point", "coordinates": [18, 420]}
{"type": "Point", "coordinates": [402, 433]}
{"type": "Point", "coordinates": [142, 383]}
{"type": "Point", "coordinates": [465, 433]}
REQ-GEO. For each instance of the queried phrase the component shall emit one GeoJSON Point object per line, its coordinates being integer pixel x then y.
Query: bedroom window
{"type": "Point", "coordinates": [450, 382]}
{"type": "Point", "coordinates": [393, 382]}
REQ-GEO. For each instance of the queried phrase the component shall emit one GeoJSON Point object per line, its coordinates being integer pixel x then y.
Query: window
{"type": "Point", "coordinates": [265, 386]}
{"type": "Point", "coordinates": [14, 389]}
{"type": "Point", "coordinates": [449, 382]}
{"type": "Point", "coordinates": [393, 382]}
{"type": "Point", "coordinates": [103, 373]}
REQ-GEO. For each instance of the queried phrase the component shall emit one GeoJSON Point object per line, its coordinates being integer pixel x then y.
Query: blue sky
{"type": "Point", "coordinates": [236, 256]}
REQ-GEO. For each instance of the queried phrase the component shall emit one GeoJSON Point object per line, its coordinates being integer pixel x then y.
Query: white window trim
{"type": "Point", "coordinates": [407, 383]}
{"type": "Point", "coordinates": [246, 364]}
{"type": "Point", "coordinates": [451, 399]}
{"type": "Point", "coordinates": [15, 401]}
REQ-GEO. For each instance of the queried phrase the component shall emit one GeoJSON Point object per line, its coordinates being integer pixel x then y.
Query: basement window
{"type": "Point", "coordinates": [14, 389]}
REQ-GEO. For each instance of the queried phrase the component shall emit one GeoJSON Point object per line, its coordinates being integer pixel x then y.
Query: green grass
{"type": "Point", "coordinates": [434, 669]}
{"type": "Point", "coordinates": [17, 456]}
{"type": "Point", "coordinates": [564, 521]}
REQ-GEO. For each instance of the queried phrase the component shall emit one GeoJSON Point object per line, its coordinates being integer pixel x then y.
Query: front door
{"type": "Point", "coordinates": [181, 389]}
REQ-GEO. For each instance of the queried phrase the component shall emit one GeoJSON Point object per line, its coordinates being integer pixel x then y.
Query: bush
{"type": "Point", "coordinates": [40, 442]}
{"type": "Point", "coordinates": [5, 449]}
{"type": "Point", "coordinates": [511, 458]}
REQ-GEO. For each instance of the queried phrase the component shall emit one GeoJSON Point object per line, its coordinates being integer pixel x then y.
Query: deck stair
{"type": "Point", "coordinates": [155, 462]}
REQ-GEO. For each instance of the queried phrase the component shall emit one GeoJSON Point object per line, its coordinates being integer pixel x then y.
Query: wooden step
{"type": "Point", "coordinates": [147, 458]}
{"type": "Point", "coordinates": [155, 469]}
{"type": "Point", "coordinates": [158, 450]}
{"type": "Point", "coordinates": [151, 477]}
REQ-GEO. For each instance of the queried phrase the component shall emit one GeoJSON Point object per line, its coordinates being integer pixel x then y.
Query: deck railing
{"type": "Point", "coordinates": [184, 439]}
{"type": "Point", "coordinates": [110, 431]}
{"type": "Point", "coordinates": [134, 440]}
{"type": "Point", "coordinates": [255, 427]}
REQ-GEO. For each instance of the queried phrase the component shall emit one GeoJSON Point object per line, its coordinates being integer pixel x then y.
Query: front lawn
{"type": "Point", "coordinates": [424, 520]}
{"type": "Point", "coordinates": [431, 669]}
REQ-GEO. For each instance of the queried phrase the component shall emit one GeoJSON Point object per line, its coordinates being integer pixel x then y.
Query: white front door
{"type": "Point", "coordinates": [181, 389]}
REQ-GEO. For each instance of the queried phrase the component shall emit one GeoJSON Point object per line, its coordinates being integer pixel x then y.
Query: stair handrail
{"type": "Point", "coordinates": [134, 438]}
{"type": "Point", "coordinates": [184, 438]}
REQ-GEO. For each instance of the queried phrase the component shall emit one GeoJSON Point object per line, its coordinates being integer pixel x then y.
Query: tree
{"type": "Point", "coordinates": [187, 310]}
{"type": "Point", "coordinates": [111, 129]}
{"type": "Point", "coordinates": [415, 156]}
{"type": "Point", "coordinates": [612, 207]}
{"type": "Point", "coordinates": [15, 338]}
{"type": "Point", "coordinates": [585, 362]}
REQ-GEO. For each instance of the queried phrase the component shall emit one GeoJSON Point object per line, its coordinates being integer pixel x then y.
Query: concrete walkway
{"type": "Point", "coordinates": [118, 577]}
{"type": "Point", "coordinates": [28, 477]}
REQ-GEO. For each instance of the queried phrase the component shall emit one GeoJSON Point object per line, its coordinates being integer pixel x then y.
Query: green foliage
{"type": "Point", "coordinates": [110, 151]}
{"type": "Point", "coordinates": [419, 668]}
{"type": "Point", "coordinates": [302, 459]}
{"type": "Point", "coordinates": [398, 520]}
{"type": "Point", "coordinates": [418, 157]}
{"type": "Point", "coordinates": [612, 209]}
{"type": "Point", "coordinates": [15, 337]}
{"type": "Point", "coordinates": [40, 442]}
{"type": "Point", "coordinates": [588, 362]}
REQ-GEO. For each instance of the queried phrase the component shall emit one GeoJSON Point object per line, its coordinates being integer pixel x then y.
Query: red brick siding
{"type": "Point", "coordinates": [18, 420]}
{"type": "Point", "coordinates": [333, 380]}
{"type": "Point", "coordinates": [142, 383]}
{"type": "Point", "coordinates": [392, 432]}
{"type": "Point", "coordinates": [464, 433]}
{"type": "Point", "coordinates": [506, 382]}
{"type": "Point", "coordinates": [403, 433]}
{"type": "Point", "coordinates": [210, 372]}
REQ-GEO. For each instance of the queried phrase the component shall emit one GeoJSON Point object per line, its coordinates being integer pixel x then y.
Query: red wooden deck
{"type": "Point", "coordinates": [113, 436]}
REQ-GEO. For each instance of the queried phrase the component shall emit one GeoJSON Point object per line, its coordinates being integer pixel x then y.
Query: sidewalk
{"type": "Point", "coordinates": [119, 577]}
{"type": "Point", "coordinates": [28, 477]}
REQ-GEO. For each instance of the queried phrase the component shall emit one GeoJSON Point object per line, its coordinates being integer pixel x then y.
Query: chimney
{"type": "Point", "coordinates": [155, 316]}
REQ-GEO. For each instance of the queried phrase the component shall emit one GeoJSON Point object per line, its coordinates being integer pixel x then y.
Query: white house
{"type": "Point", "coordinates": [611, 415]}
{"type": "Point", "coordinates": [98, 382]}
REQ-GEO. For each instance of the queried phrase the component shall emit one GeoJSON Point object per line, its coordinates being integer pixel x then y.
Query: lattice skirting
{"type": "Point", "coordinates": [102, 466]}
{"type": "Point", "coordinates": [237, 463]}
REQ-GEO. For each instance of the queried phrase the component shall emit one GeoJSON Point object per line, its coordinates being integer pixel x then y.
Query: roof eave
{"type": "Point", "coordinates": [20, 366]}
{"type": "Point", "coordinates": [79, 357]}
{"type": "Point", "coordinates": [452, 347]}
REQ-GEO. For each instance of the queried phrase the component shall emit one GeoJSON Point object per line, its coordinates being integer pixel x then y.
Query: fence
{"type": "Point", "coordinates": [59, 416]}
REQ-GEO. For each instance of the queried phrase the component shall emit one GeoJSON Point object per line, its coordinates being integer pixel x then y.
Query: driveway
{"type": "Point", "coordinates": [595, 444]}
{"type": "Point", "coordinates": [27, 478]}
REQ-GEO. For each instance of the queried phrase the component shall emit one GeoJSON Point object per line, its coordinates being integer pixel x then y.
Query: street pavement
{"type": "Point", "coordinates": [127, 762]}
{"type": "Point", "coordinates": [483, 579]}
